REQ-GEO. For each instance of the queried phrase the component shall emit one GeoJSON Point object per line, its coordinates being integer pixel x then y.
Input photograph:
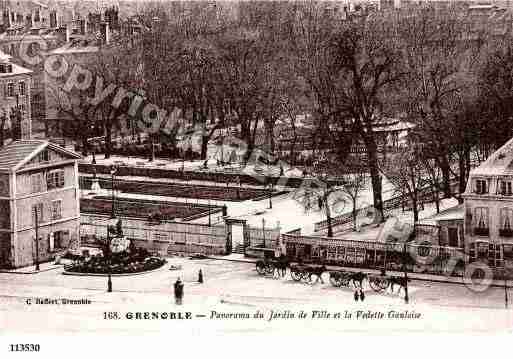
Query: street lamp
{"type": "Point", "coordinates": [92, 145]}
{"type": "Point", "coordinates": [112, 173]}
{"type": "Point", "coordinates": [270, 187]}
{"type": "Point", "coordinates": [209, 219]}
{"type": "Point", "coordinates": [406, 298]}
{"type": "Point", "coordinates": [505, 277]}
{"type": "Point", "coordinates": [36, 222]}
{"type": "Point", "coordinates": [263, 232]}
{"type": "Point", "coordinates": [109, 278]}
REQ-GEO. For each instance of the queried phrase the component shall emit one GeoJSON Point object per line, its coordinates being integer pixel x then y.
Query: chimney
{"type": "Point", "coordinates": [53, 19]}
{"type": "Point", "coordinates": [104, 31]}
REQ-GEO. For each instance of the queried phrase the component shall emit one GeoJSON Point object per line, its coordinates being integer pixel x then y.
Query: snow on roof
{"type": "Point", "coordinates": [499, 163]}
{"type": "Point", "coordinates": [452, 213]}
{"type": "Point", "coordinates": [17, 153]}
{"type": "Point", "coordinates": [396, 126]}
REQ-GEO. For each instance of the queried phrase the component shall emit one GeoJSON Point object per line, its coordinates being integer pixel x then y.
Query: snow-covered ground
{"type": "Point", "coordinates": [232, 287]}
{"type": "Point", "coordinates": [288, 212]}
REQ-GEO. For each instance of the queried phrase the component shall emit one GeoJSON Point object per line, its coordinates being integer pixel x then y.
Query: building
{"type": "Point", "coordinates": [18, 43]}
{"type": "Point", "coordinates": [444, 229]}
{"type": "Point", "coordinates": [489, 209]}
{"type": "Point", "coordinates": [15, 89]}
{"type": "Point", "coordinates": [37, 177]}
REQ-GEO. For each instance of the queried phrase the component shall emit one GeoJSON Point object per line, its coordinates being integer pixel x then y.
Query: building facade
{"type": "Point", "coordinates": [488, 206]}
{"type": "Point", "coordinates": [39, 192]}
{"type": "Point", "coordinates": [15, 92]}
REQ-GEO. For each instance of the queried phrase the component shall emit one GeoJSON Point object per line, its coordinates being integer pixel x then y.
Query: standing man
{"type": "Point", "coordinates": [178, 291]}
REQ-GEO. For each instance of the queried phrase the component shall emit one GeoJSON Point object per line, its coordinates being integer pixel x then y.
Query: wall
{"type": "Point", "coordinates": [5, 250]}
{"type": "Point", "coordinates": [24, 246]}
{"type": "Point", "coordinates": [494, 207]}
{"type": "Point", "coordinates": [166, 236]}
{"type": "Point", "coordinates": [444, 231]}
{"type": "Point", "coordinates": [23, 184]}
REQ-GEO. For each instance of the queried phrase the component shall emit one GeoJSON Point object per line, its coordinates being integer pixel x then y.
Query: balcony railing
{"type": "Point", "coordinates": [485, 232]}
{"type": "Point", "coordinates": [503, 232]}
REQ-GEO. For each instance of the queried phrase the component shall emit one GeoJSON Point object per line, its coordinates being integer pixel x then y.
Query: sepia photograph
{"type": "Point", "coordinates": [255, 168]}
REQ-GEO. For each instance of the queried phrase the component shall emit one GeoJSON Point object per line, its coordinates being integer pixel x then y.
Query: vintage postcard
{"type": "Point", "coordinates": [256, 167]}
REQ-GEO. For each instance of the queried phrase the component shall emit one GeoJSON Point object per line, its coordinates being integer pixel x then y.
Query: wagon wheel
{"type": "Point", "coordinates": [260, 267]}
{"type": "Point", "coordinates": [378, 284]}
{"type": "Point", "coordinates": [295, 275]}
{"type": "Point", "coordinates": [269, 268]}
{"type": "Point", "coordinates": [383, 283]}
{"type": "Point", "coordinates": [335, 280]}
{"type": "Point", "coordinates": [306, 276]}
{"type": "Point", "coordinates": [345, 281]}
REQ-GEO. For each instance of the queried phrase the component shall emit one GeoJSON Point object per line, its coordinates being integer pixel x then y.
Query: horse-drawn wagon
{"type": "Point", "coordinates": [305, 272]}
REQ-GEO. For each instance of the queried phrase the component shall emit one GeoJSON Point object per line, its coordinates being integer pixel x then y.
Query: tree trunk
{"type": "Point", "coordinates": [108, 140]}
{"type": "Point", "coordinates": [462, 177]}
{"type": "Point", "coordinates": [415, 208]}
{"type": "Point", "coordinates": [204, 147]}
{"type": "Point", "coordinates": [328, 216]}
{"type": "Point", "coordinates": [372, 160]}
{"type": "Point", "coordinates": [152, 149]}
{"type": "Point", "coordinates": [354, 213]}
{"type": "Point", "coordinates": [446, 176]}
{"type": "Point", "coordinates": [437, 197]}
{"type": "Point", "coordinates": [85, 146]}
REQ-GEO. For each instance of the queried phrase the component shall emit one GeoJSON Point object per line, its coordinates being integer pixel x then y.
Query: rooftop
{"type": "Point", "coordinates": [17, 153]}
{"type": "Point", "coordinates": [452, 213]}
{"type": "Point", "coordinates": [499, 163]}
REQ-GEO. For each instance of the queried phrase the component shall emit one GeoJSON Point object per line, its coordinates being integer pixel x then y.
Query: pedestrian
{"type": "Point", "coordinates": [200, 276]}
{"type": "Point", "coordinates": [178, 291]}
{"type": "Point", "coordinates": [356, 296]}
{"type": "Point", "coordinates": [362, 296]}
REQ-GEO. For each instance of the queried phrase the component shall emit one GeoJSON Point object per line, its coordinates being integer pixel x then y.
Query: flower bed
{"type": "Point", "coordinates": [122, 263]}
{"type": "Point", "coordinates": [143, 208]}
{"type": "Point", "coordinates": [182, 190]}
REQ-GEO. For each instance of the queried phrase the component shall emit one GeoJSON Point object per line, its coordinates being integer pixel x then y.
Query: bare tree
{"type": "Point", "coordinates": [354, 184]}
{"type": "Point", "coordinates": [405, 171]}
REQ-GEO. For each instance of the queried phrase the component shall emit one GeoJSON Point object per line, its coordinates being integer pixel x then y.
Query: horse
{"type": "Point", "coordinates": [280, 266]}
{"type": "Point", "coordinates": [317, 270]}
{"type": "Point", "coordinates": [357, 279]}
{"type": "Point", "coordinates": [400, 281]}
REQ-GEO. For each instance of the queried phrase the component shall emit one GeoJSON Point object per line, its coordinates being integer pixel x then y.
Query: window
{"type": "Point", "coordinates": [506, 188]}
{"type": "Point", "coordinates": [55, 179]}
{"type": "Point", "coordinates": [22, 88]}
{"type": "Point", "coordinates": [56, 207]}
{"type": "Point", "coordinates": [508, 252]}
{"type": "Point", "coordinates": [57, 240]}
{"type": "Point", "coordinates": [481, 221]}
{"type": "Point", "coordinates": [43, 156]}
{"type": "Point", "coordinates": [36, 183]}
{"type": "Point", "coordinates": [37, 208]}
{"type": "Point", "coordinates": [481, 186]}
{"type": "Point", "coordinates": [10, 89]}
{"type": "Point", "coordinates": [452, 234]}
{"type": "Point", "coordinates": [506, 222]}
